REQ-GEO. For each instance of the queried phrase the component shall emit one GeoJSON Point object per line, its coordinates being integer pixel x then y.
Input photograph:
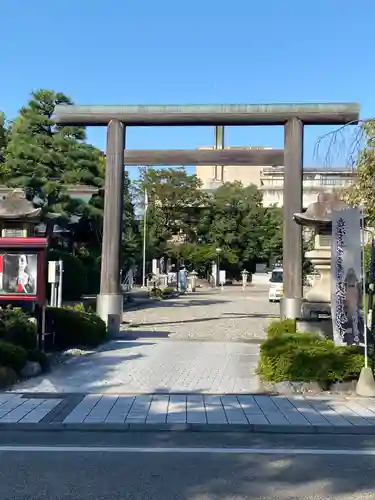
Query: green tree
{"type": "Point", "coordinates": [3, 139]}
{"type": "Point", "coordinates": [236, 222]}
{"type": "Point", "coordinates": [131, 241]}
{"type": "Point", "coordinates": [45, 159]}
{"type": "Point", "coordinates": [175, 201]}
{"type": "Point", "coordinates": [272, 234]}
{"type": "Point", "coordinates": [362, 192]}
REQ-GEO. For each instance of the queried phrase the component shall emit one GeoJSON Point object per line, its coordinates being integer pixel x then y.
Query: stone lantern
{"type": "Point", "coordinates": [18, 216]}
{"type": "Point", "coordinates": [318, 217]}
{"type": "Point", "coordinates": [193, 280]}
{"type": "Point", "coordinates": [245, 275]}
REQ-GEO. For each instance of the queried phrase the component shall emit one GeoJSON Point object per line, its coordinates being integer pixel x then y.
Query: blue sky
{"type": "Point", "coordinates": [200, 51]}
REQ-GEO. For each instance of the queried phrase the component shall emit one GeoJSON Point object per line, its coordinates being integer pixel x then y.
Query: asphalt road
{"type": "Point", "coordinates": [199, 466]}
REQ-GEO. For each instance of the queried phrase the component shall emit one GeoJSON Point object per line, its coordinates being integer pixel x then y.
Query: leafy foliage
{"type": "Point", "coordinates": [362, 192]}
{"type": "Point", "coordinates": [175, 202]}
{"type": "Point", "coordinates": [236, 222]}
{"type": "Point", "coordinates": [12, 356]}
{"type": "Point", "coordinates": [74, 328]}
{"type": "Point", "coordinates": [231, 218]}
{"type": "Point", "coordinates": [3, 138]}
{"type": "Point", "coordinates": [279, 327]}
{"type": "Point", "coordinates": [297, 356]}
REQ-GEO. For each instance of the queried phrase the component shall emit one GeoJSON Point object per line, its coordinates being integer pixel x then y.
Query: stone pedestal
{"type": "Point", "coordinates": [320, 257]}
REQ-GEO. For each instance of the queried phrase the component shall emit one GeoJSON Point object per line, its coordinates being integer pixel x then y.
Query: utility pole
{"type": "Point", "coordinates": [144, 236]}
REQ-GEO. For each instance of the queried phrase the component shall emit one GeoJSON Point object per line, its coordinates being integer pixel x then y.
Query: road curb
{"type": "Point", "coordinates": [170, 427]}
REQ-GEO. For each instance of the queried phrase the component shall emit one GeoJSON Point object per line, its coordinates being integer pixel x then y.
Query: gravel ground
{"type": "Point", "coordinates": [231, 315]}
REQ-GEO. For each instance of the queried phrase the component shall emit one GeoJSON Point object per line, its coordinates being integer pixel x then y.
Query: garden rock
{"type": "Point", "coordinates": [31, 369]}
{"type": "Point", "coordinates": [289, 387]}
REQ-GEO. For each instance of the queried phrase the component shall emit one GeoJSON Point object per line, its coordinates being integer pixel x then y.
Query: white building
{"type": "Point", "coordinates": [315, 181]}
{"type": "Point", "coordinates": [270, 180]}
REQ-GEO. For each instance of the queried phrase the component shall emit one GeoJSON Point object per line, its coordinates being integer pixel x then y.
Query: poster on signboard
{"type": "Point", "coordinates": [18, 273]}
{"type": "Point", "coordinates": [346, 285]}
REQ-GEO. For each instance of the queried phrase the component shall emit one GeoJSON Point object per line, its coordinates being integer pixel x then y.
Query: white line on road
{"type": "Point", "coordinates": [184, 450]}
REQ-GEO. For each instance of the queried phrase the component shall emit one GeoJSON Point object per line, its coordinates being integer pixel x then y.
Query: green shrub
{"type": "Point", "coordinates": [161, 293]}
{"type": "Point", "coordinates": [87, 306]}
{"type": "Point", "coordinates": [156, 293]}
{"type": "Point", "coordinates": [79, 307]}
{"type": "Point", "coordinates": [306, 357]}
{"type": "Point", "coordinates": [278, 327]}
{"type": "Point", "coordinates": [8, 377]}
{"type": "Point", "coordinates": [16, 327]}
{"type": "Point", "coordinates": [12, 356]}
{"type": "Point", "coordinates": [74, 328]}
{"type": "Point", "coordinates": [40, 357]}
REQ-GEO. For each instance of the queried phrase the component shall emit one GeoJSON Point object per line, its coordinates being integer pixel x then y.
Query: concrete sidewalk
{"type": "Point", "coordinates": [182, 412]}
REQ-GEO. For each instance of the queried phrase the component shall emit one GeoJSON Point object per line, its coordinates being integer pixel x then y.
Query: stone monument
{"type": "Point", "coordinates": [316, 307]}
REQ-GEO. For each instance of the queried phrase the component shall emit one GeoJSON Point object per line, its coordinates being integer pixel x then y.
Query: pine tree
{"type": "Point", "coordinates": [46, 159]}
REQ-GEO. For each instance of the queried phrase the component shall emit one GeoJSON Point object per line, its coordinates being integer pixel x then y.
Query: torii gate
{"type": "Point", "coordinates": [116, 118]}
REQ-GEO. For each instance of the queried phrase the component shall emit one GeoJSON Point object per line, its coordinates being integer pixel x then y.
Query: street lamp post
{"type": "Point", "coordinates": [218, 252]}
{"type": "Point", "coordinates": [144, 238]}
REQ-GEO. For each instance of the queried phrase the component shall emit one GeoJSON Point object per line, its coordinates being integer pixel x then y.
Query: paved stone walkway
{"type": "Point", "coordinates": [194, 343]}
{"type": "Point", "coordinates": [155, 365]}
{"type": "Point", "coordinates": [260, 413]}
{"type": "Point", "coordinates": [207, 315]}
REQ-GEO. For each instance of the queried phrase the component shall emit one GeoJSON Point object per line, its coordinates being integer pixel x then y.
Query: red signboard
{"type": "Point", "coordinates": [22, 269]}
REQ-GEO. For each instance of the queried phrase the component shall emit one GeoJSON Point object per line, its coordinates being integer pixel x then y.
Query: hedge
{"type": "Point", "coordinates": [72, 328]}
{"type": "Point", "coordinates": [40, 357]}
{"type": "Point", "coordinates": [12, 356]}
{"type": "Point", "coordinates": [279, 327]}
{"type": "Point", "coordinates": [307, 357]}
{"type": "Point", "coordinates": [16, 328]}
{"type": "Point", "coordinates": [8, 377]}
{"type": "Point", "coordinates": [161, 293]}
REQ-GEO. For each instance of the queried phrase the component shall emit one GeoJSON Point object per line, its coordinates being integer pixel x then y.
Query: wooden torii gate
{"type": "Point", "coordinates": [116, 118]}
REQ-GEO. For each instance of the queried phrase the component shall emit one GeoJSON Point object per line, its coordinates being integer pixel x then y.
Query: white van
{"type": "Point", "coordinates": [276, 290]}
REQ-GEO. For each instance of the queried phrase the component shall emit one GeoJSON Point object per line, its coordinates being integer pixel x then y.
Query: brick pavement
{"type": "Point", "coordinates": [258, 413]}
{"type": "Point", "coordinates": [206, 342]}
{"type": "Point", "coordinates": [208, 315]}
{"type": "Point", "coordinates": [154, 365]}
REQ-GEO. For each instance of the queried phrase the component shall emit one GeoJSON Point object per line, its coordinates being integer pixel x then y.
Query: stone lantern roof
{"type": "Point", "coordinates": [319, 214]}
{"type": "Point", "coordinates": [15, 206]}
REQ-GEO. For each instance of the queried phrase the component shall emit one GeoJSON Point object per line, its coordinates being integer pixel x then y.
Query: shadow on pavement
{"type": "Point", "coordinates": [184, 301]}
{"type": "Point", "coordinates": [203, 320]}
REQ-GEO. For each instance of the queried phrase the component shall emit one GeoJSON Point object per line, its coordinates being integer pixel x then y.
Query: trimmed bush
{"type": "Point", "coordinates": [305, 357]}
{"type": "Point", "coordinates": [74, 328]}
{"type": "Point", "coordinates": [279, 327]}
{"type": "Point", "coordinates": [161, 293]}
{"type": "Point", "coordinates": [79, 307]}
{"type": "Point", "coordinates": [40, 357]}
{"type": "Point", "coordinates": [16, 327]}
{"type": "Point", "coordinates": [8, 377]}
{"type": "Point", "coordinates": [12, 356]}
{"type": "Point", "coordinates": [155, 293]}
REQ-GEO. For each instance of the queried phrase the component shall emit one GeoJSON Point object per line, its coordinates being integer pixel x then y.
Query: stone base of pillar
{"type": "Point", "coordinates": [290, 308]}
{"type": "Point", "coordinates": [110, 307]}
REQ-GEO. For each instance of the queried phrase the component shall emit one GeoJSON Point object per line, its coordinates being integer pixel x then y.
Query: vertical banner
{"type": "Point", "coordinates": [346, 283]}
